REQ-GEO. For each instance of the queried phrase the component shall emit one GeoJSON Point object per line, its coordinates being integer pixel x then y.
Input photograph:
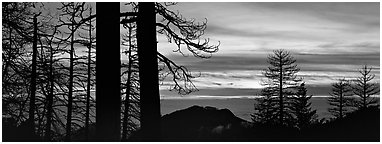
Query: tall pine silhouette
{"type": "Point", "coordinates": [281, 80]}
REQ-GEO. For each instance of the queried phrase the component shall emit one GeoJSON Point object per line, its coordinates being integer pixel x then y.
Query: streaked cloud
{"type": "Point", "coordinates": [329, 41]}
{"type": "Point", "coordinates": [302, 27]}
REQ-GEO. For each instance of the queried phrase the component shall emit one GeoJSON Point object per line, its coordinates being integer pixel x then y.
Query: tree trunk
{"type": "Point", "coordinates": [70, 95]}
{"type": "Point", "coordinates": [364, 105]}
{"type": "Point", "coordinates": [108, 106]}
{"type": "Point", "coordinates": [148, 71]}
{"type": "Point", "coordinates": [341, 103]}
{"type": "Point", "coordinates": [33, 79]}
{"type": "Point", "coordinates": [87, 119]}
{"type": "Point", "coordinates": [127, 94]}
{"type": "Point", "coordinates": [281, 93]}
{"type": "Point", "coordinates": [49, 99]}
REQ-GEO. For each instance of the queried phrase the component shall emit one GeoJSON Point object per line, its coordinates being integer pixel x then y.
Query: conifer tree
{"type": "Point", "coordinates": [301, 107]}
{"type": "Point", "coordinates": [282, 79]}
{"type": "Point", "coordinates": [265, 108]}
{"type": "Point", "coordinates": [341, 90]}
{"type": "Point", "coordinates": [364, 88]}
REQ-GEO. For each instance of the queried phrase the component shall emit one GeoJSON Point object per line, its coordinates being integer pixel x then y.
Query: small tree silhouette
{"type": "Point", "coordinates": [301, 107]}
{"type": "Point", "coordinates": [365, 88]}
{"type": "Point", "coordinates": [72, 11]}
{"type": "Point", "coordinates": [265, 108]}
{"type": "Point", "coordinates": [88, 41]}
{"type": "Point", "coordinates": [339, 98]}
{"type": "Point", "coordinates": [130, 84]}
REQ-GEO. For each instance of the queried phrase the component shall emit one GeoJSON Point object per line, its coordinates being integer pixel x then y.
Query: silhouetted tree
{"type": "Point", "coordinates": [365, 88]}
{"type": "Point", "coordinates": [108, 95]}
{"type": "Point", "coordinates": [301, 107]}
{"type": "Point", "coordinates": [33, 77]}
{"type": "Point", "coordinates": [15, 65]}
{"type": "Point", "coordinates": [339, 98]}
{"type": "Point", "coordinates": [50, 99]}
{"type": "Point", "coordinates": [265, 108]}
{"type": "Point", "coordinates": [70, 10]}
{"type": "Point", "coordinates": [282, 79]}
{"type": "Point", "coordinates": [130, 83]}
{"type": "Point", "coordinates": [189, 33]}
{"type": "Point", "coordinates": [48, 76]}
{"type": "Point", "coordinates": [148, 71]}
{"type": "Point", "coordinates": [53, 50]}
{"type": "Point", "coordinates": [17, 34]}
{"type": "Point", "coordinates": [130, 80]}
{"type": "Point", "coordinates": [87, 39]}
{"type": "Point", "coordinates": [74, 33]}
{"type": "Point", "coordinates": [72, 16]}
{"type": "Point", "coordinates": [146, 37]}
{"type": "Point", "coordinates": [130, 76]}
{"type": "Point", "coordinates": [25, 25]}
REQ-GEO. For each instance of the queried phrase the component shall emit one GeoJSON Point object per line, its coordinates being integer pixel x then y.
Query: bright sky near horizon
{"type": "Point", "coordinates": [329, 41]}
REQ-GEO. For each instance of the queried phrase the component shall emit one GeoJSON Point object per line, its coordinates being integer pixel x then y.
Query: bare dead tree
{"type": "Point", "coordinates": [178, 30]}
{"type": "Point", "coordinates": [72, 11]}
{"type": "Point", "coordinates": [131, 85]}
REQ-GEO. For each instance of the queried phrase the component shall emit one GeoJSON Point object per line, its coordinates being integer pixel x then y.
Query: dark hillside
{"type": "Point", "coordinates": [198, 123]}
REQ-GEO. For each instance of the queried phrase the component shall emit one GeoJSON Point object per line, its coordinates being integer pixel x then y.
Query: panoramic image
{"type": "Point", "coordinates": [190, 72]}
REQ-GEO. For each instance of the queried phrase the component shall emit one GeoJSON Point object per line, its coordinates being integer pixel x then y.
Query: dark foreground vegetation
{"type": "Point", "coordinates": [210, 124]}
{"type": "Point", "coordinates": [201, 124]}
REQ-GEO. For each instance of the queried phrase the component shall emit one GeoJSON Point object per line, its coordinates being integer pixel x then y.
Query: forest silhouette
{"type": "Point", "coordinates": [54, 61]}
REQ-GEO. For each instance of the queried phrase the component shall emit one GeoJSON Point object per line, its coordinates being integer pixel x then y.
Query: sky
{"type": "Point", "coordinates": [329, 41]}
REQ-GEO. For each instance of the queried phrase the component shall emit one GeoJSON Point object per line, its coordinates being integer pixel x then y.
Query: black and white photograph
{"type": "Point", "coordinates": [190, 71]}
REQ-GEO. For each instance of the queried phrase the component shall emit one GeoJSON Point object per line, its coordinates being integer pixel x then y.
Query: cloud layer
{"type": "Point", "coordinates": [329, 41]}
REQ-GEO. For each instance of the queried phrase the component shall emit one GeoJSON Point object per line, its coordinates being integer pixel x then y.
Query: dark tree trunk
{"type": "Point", "coordinates": [70, 95]}
{"type": "Point", "coordinates": [87, 119]}
{"type": "Point", "coordinates": [364, 104]}
{"type": "Point", "coordinates": [341, 104]}
{"type": "Point", "coordinates": [108, 98]}
{"type": "Point", "coordinates": [33, 79]}
{"type": "Point", "coordinates": [281, 116]}
{"type": "Point", "coordinates": [148, 71]}
{"type": "Point", "coordinates": [127, 93]}
{"type": "Point", "coordinates": [49, 99]}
